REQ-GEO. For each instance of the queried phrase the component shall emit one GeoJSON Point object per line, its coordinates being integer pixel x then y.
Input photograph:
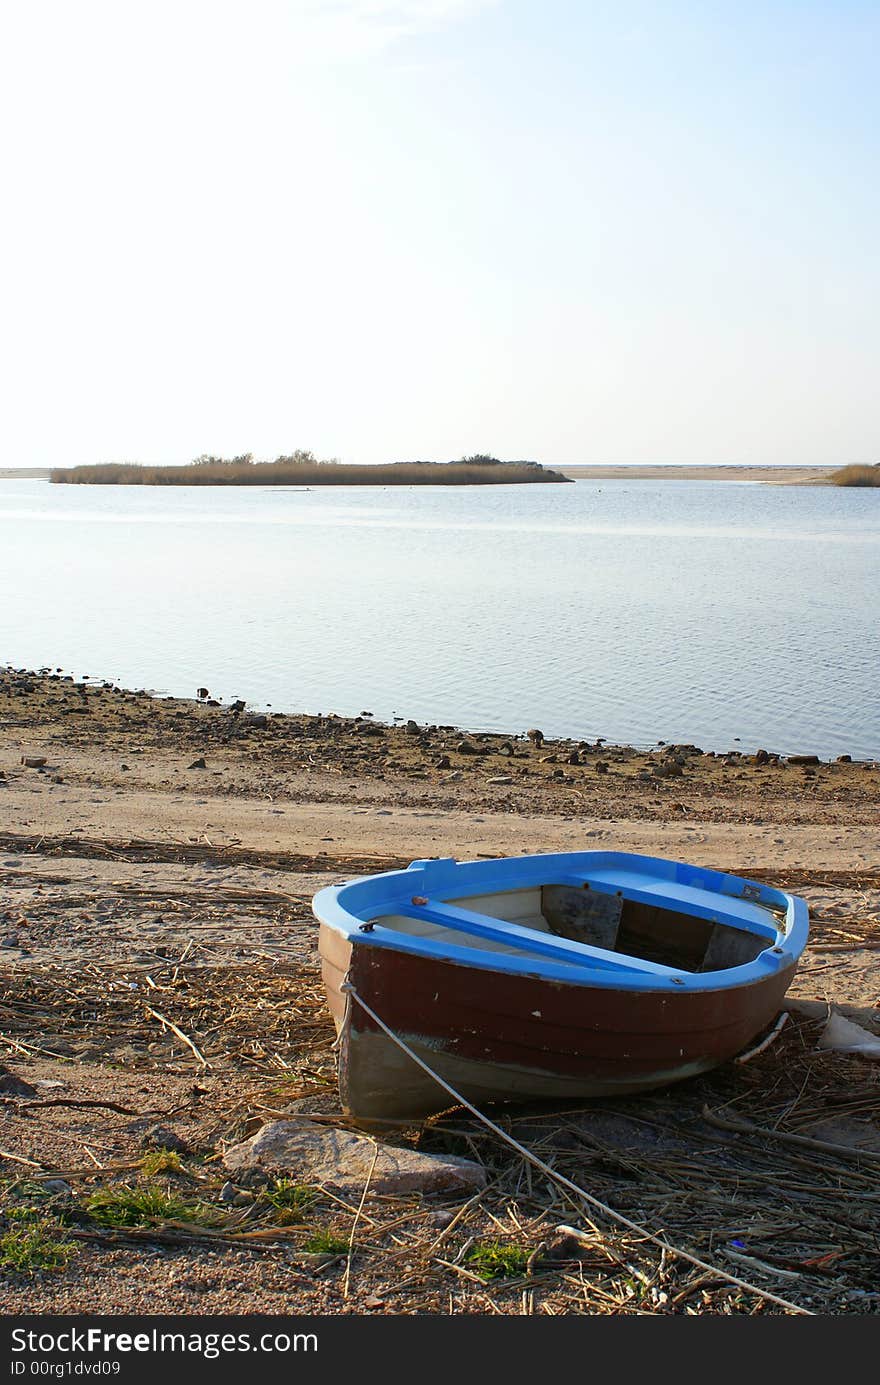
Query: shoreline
{"type": "Point", "coordinates": [767, 475]}
{"type": "Point", "coordinates": [158, 868]}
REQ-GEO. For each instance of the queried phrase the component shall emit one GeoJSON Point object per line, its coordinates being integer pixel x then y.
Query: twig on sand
{"type": "Point", "coordinates": [746, 1127]}
{"type": "Point", "coordinates": [18, 1159]}
{"type": "Point", "coordinates": [169, 1024]}
{"type": "Point", "coordinates": [357, 1214]}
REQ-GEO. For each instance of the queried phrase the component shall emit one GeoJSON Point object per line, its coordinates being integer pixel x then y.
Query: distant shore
{"type": "Point", "coordinates": [772, 475]}
{"type": "Point", "coordinates": [768, 475]}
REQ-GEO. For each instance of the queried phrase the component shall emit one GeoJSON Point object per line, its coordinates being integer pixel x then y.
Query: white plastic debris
{"type": "Point", "coordinates": [848, 1037]}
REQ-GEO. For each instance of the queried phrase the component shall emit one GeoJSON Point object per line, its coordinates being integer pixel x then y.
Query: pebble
{"type": "Point", "coordinates": [163, 1137]}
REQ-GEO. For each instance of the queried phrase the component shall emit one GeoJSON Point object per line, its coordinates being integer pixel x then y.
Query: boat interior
{"type": "Point", "coordinates": [524, 921]}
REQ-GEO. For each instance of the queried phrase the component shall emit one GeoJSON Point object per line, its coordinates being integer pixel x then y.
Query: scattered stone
{"type": "Point", "coordinates": [844, 759]}
{"type": "Point", "coordinates": [57, 1187]}
{"type": "Point", "coordinates": [259, 721]}
{"type": "Point", "coordinates": [804, 760]}
{"type": "Point", "coordinates": [500, 779]}
{"type": "Point", "coordinates": [602, 767]}
{"type": "Point", "coordinates": [198, 764]}
{"type": "Point", "coordinates": [202, 693]}
{"type": "Point", "coordinates": [467, 748]}
{"type": "Point", "coordinates": [163, 1137]}
{"type": "Point", "coordinates": [33, 761]}
{"type": "Point", "coordinates": [412, 728]}
{"type": "Point", "coordinates": [443, 763]}
{"type": "Point", "coordinates": [342, 1160]}
{"type": "Point", "coordinates": [13, 1085]}
{"type": "Point", "coordinates": [236, 707]}
{"type": "Point", "coordinates": [574, 758]}
{"type": "Point", "coordinates": [535, 736]}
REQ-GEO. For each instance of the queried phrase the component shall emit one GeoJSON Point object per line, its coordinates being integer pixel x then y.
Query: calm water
{"type": "Point", "coordinates": [634, 610]}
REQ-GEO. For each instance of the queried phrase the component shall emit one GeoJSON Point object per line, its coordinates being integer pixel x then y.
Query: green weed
{"type": "Point", "coordinates": [496, 1260]}
{"type": "Point", "coordinates": [125, 1206]}
{"type": "Point", "coordinates": [34, 1243]}
{"type": "Point", "coordinates": [325, 1243]}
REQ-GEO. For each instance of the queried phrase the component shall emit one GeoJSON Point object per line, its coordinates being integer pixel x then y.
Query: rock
{"type": "Point", "coordinates": [163, 1137]}
{"type": "Point", "coordinates": [467, 748]}
{"type": "Point", "coordinates": [505, 748]}
{"type": "Point", "coordinates": [342, 1160]}
{"type": "Point", "coordinates": [236, 707]}
{"type": "Point", "coordinates": [574, 758]}
{"type": "Point", "coordinates": [535, 736]}
{"type": "Point", "coordinates": [233, 1196]}
{"type": "Point", "coordinates": [761, 757]}
{"type": "Point", "coordinates": [500, 779]}
{"type": "Point", "coordinates": [198, 764]}
{"type": "Point", "coordinates": [602, 767]}
{"type": "Point", "coordinates": [443, 763]}
{"type": "Point", "coordinates": [202, 693]}
{"type": "Point", "coordinates": [259, 721]}
{"type": "Point", "coordinates": [804, 760]}
{"type": "Point", "coordinates": [668, 769]}
{"type": "Point", "coordinates": [33, 761]}
{"type": "Point", "coordinates": [12, 1085]}
{"type": "Point", "coordinates": [844, 759]}
{"type": "Point", "coordinates": [412, 728]}
{"type": "Point", "coordinates": [57, 1187]}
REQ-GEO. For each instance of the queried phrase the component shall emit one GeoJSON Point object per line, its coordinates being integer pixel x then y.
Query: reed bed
{"type": "Point", "coordinates": [307, 474]}
{"type": "Point", "coordinates": [856, 476]}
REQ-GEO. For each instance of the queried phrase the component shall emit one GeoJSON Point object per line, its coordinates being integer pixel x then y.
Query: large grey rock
{"type": "Point", "coordinates": [341, 1160]}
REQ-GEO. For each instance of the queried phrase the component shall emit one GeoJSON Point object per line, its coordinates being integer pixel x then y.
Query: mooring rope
{"type": "Point", "coordinates": [560, 1178]}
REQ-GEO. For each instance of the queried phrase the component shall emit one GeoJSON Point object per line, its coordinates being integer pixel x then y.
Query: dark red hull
{"type": "Point", "coordinates": [497, 1035]}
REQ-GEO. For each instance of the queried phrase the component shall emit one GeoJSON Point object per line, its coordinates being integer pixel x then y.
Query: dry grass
{"type": "Point", "coordinates": [856, 476]}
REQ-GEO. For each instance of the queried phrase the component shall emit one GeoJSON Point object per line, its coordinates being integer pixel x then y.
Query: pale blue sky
{"type": "Point", "coordinates": [387, 229]}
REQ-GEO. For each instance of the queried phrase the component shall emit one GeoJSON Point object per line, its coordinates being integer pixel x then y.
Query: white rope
{"type": "Point", "coordinates": [566, 1182]}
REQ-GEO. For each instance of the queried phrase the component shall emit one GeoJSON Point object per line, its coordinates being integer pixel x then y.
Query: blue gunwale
{"type": "Point", "coordinates": [356, 909]}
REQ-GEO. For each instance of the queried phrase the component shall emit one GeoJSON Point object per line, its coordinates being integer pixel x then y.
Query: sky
{"type": "Point", "coordinates": [383, 230]}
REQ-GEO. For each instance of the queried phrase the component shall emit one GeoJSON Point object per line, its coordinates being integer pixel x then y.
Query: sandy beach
{"type": "Point", "coordinates": [157, 862]}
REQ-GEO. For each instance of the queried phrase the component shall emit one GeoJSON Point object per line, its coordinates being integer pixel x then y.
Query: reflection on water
{"type": "Point", "coordinates": [643, 610]}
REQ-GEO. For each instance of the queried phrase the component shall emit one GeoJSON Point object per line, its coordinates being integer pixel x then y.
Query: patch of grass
{"type": "Point", "coordinates": [291, 1201]}
{"type": "Point", "coordinates": [126, 1206]}
{"type": "Point", "coordinates": [496, 1260]}
{"type": "Point", "coordinates": [34, 1243]}
{"type": "Point", "coordinates": [856, 476]}
{"type": "Point", "coordinates": [161, 1161]}
{"type": "Point", "coordinates": [325, 1243]}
